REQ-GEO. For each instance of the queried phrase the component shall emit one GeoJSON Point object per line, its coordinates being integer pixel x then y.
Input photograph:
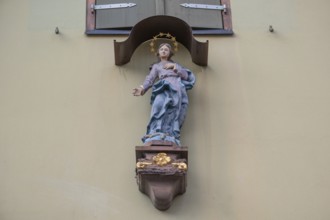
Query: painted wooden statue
{"type": "Point", "coordinates": [169, 98]}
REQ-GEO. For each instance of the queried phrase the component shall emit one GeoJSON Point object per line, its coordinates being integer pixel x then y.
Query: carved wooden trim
{"type": "Point", "coordinates": [90, 16]}
{"type": "Point", "coordinates": [227, 23]}
{"type": "Point", "coordinates": [181, 151]}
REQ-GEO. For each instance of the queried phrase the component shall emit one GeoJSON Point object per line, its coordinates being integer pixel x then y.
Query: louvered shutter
{"type": "Point", "coordinates": [121, 20]}
{"type": "Point", "coordinates": [125, 17]}
{"type": "Point", "coordinates": [195, 17]}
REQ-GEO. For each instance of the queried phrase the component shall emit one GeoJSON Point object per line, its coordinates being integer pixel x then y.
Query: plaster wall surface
{"type": "Point", "coordinates": [258, 126]}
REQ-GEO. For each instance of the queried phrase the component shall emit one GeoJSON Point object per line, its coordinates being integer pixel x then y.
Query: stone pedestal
{"type": "Point", "coordinates": [161, 170]}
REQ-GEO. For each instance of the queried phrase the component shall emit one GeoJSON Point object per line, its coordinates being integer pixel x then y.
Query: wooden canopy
{"type": "Point", "coordinates": [148, 28]}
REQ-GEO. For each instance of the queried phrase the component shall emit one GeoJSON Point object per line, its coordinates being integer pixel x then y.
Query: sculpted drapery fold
{"type": "Point", "coordinates": [169, 99]}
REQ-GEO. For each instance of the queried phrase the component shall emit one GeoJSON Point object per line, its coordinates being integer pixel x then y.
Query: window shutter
{"type": "Point", "coordinates": [125, 17]}
{"type": "Point", "coordinates": [195, 17]}
{"type": "Point", "coordinates": [199, 14]}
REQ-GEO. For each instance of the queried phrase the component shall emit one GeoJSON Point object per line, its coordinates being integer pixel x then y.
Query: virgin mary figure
{"type": "Point", "coordinates": [169, 99]}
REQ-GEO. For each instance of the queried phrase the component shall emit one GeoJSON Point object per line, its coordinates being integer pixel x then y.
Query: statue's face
{"type": "Point", "coordinates": [164, 52]}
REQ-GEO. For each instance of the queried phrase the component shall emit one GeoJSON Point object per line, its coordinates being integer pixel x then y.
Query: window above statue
{"type": "Point", "coordinates": [118, 16]}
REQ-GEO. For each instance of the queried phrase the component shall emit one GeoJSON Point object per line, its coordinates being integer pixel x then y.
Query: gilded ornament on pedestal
{"type": "Point", "coordinates": [161, 159]}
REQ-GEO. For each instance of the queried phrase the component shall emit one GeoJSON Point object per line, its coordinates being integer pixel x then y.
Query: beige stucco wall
{"type": "Point", "coordinates": [258, 127]}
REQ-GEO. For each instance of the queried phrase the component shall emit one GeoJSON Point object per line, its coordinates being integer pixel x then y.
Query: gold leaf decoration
{"type": "Point", "coordinates": [161, 159]}
{"type": "Point", "coordinates": [180, 166]}
{"type": "Point", "coordinates": [141, 165]}
{"type": "Point", "coordinates": [163, 35]}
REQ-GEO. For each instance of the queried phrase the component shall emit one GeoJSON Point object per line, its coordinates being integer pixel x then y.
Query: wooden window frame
{"type": "Point", "coordinates": [91, 19]}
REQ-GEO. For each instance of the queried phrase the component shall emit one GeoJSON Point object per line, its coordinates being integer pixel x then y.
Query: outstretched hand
{"type": "Point", "coordinates": [138, 91]}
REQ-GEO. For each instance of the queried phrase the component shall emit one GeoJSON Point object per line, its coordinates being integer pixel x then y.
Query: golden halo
{"type": "Point", "coordinates": [166, 36]}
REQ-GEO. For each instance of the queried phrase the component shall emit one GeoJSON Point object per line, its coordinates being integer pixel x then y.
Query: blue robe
{"type": "Point", "coordinates": [169, 101]}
